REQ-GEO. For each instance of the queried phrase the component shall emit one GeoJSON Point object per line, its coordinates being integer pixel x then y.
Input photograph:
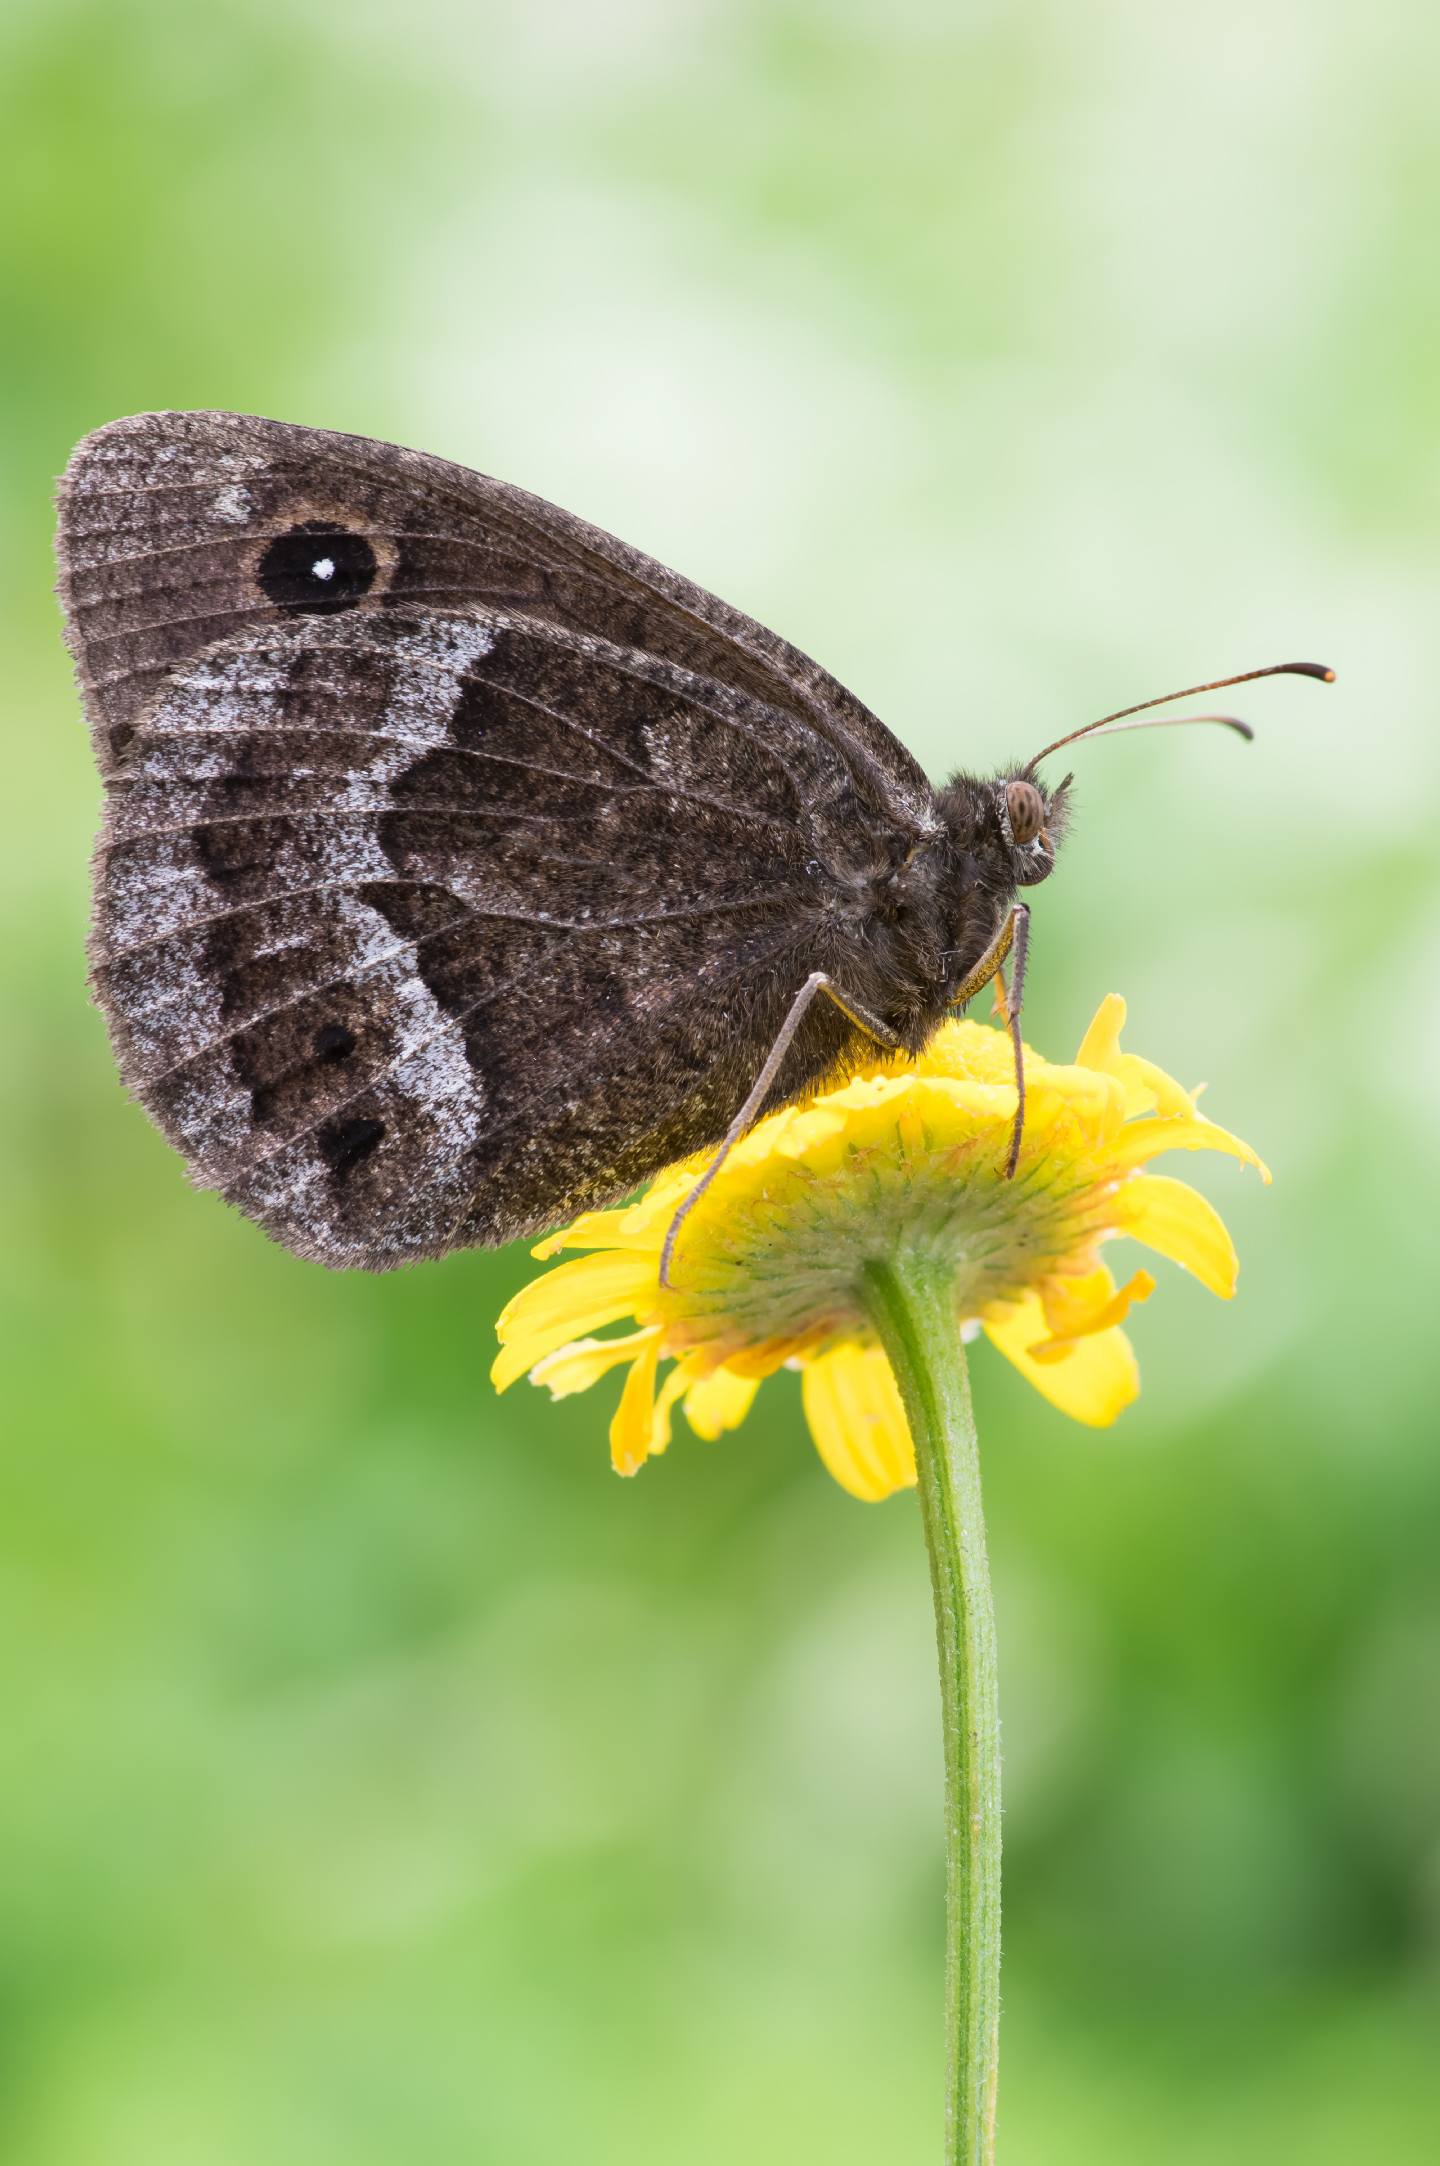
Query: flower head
{"type": "Point", "coordinates": [902, 1155]}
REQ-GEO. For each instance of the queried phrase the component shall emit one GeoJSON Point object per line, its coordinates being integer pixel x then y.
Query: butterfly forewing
{"type": "Point", "coordinates": [168, 519]}
{"type": "Point", "coordinates": [457, 858]}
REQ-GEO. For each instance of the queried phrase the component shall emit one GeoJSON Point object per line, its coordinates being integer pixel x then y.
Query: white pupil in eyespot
{"type": "Point", "coordinates": [323, 568]}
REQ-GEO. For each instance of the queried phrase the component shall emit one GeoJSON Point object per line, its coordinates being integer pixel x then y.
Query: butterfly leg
{"type": "Point", "coordinates": [989, 963]}
{"type": "Point", "coordinates": [1014, 935]}
{"type": "Point", "coordinates": [1020, 951]}
{"type": "Point", "coordinates": [818, 982]}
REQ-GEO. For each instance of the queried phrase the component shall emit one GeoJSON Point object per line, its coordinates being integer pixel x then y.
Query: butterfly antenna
{"type": "Point", "coordinates": [1317, 670]}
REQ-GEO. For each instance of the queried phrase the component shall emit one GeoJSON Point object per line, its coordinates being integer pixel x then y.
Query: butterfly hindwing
{"type": "Point", "coordinates": [428, 909]}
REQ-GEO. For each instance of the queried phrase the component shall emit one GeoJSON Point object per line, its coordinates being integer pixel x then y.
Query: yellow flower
{"type": "Point", "coordinates": [771, 1265]}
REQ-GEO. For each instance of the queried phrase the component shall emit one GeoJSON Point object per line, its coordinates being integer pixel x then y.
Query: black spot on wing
{"type": "Point", "coordinates": [317, 569]}
{"type": "Point", "coordinates": [345, 1144]}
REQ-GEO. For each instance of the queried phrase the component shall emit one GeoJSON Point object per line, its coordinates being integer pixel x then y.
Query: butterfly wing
{"type": "Point", "coordinates": [456, 857]}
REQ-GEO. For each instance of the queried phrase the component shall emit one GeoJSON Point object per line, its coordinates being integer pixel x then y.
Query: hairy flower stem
{"type": "Point", "coordinates": [911, 1305]}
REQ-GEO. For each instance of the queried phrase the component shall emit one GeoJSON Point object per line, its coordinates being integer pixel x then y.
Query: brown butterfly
{"type": "Point", "coordinates": [461, 866]}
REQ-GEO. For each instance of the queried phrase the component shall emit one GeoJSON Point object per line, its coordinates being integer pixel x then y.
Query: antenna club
{"type": "Point", "coordinates": [1318, 670]}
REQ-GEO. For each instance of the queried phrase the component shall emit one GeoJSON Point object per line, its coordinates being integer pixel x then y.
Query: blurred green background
{"type": "Point", "coordinates": [381, 1778]}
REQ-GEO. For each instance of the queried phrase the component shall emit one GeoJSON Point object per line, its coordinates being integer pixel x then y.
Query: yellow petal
{"type": "Point", "coordinates": [673, 1388]}
{"type": "Point", "coordinates": [1093, 1382]}
{"type": "Point", "coordinates": [1078, 1305]}
{"type": "Point", "coordinates": [638, 1225]}
{"type": "Point", "coordinates": [579, 1297]}
{"type": "Point", "coordinates": [1100, 1046]}
{"type": "Point", "coordinates": [719, 1401]}
{"type": "Point", "coordinates": [1177, 1222]}
{"type": "Point", "coordinates": [1159, 1090]}
{"type": "Point", "coordinates": [633, 1428]}
{"type": "Point", "coordinates": [1147, 1088]}
{"type": "Point", "coordinates": [1075, 1091]}
{"type": "Point", "coordinates": [593, 1229]}
{"type": "Point", "coordinates": [769, 1355]}
{"type": "Point", "coordinates": [577, 1366]}
{"type": "Point", "coordinates": [858, 1422]}
{"type": "Point", "coordinates": [1185, 1132]}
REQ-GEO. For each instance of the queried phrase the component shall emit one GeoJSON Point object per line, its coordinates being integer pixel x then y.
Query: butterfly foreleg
{"type": "Point", "coordinates": [817, 983]}
{"type": "Point", "coordinates": [1013, 934]}
{"type": "Point", "coordinates": [989, 964]}
{"type": "Point", "coordinates": [1020, 920]}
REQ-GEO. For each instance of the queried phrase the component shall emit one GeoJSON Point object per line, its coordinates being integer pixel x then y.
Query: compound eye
{"type": "Point", "coordinates": [1026, 808]}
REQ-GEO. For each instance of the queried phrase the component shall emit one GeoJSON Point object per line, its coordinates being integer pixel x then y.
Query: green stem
{"type": "Point", "coordinates": [911, 1305]}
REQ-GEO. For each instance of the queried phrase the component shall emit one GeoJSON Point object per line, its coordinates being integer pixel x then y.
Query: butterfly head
{"type": "Point", "coordinates": [1030, 818]}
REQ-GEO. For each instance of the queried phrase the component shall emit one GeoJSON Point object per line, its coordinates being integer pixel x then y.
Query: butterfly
{"type": "Point", "coordinates": [461, 866]}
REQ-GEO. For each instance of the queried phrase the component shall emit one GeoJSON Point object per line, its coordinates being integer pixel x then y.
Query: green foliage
{"type": "Point", "coordinates": [382, 1778]}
